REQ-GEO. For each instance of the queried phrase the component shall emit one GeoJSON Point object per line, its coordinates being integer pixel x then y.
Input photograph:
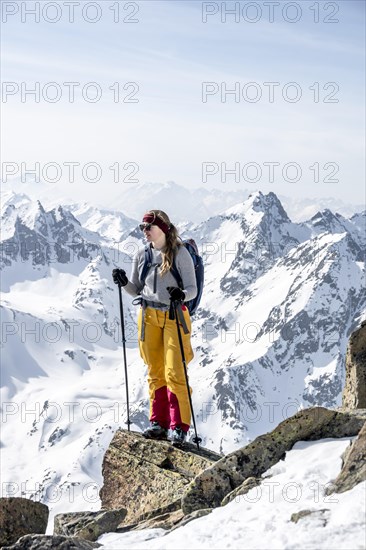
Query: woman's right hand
{"type": "Point", "coordinates": [176, 294]}
{"type": "Point", "coordinates": [119, 277]}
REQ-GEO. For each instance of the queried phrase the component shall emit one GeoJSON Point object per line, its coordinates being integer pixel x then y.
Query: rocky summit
{"type": "Point", "coordinates": [148, 477]}
{"type": "Point", "coordinates": [150, 484]}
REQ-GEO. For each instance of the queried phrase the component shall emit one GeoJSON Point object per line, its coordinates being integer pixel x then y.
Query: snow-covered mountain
{"type": "Point", "coordinates": [62, 384]}
{"type": "Point", "coordinates": [112, 224]}
{"type": "Point", "coordinates": [279, 303]}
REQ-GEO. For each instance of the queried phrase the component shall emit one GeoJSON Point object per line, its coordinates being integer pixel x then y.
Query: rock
{"type": "Point", "coordinates": [210, 487]}
{"type": "Point", "coordinates": [358, 413]}
{"type": "Point", "coordinates": [354, 393]}
{"type": "Point", "coordinates": [322, 515]}
{"type": "Point", "coordinates": [88, 525]}
{"type": "Point", "coordinates": [190, 517]}
{"type": "Point", "coordinates": [144, 475]}
{"type": "Point", "coordinates": [243, 489]}
{"type": "Point", "coordinates": [49, 542]}
{"type": "Point", "coordinates": [164, 521]}
{"type": "Point", "coordinates": [150, 515]}
{"type": "Point", "coordinates": [354, 467]}
{"type": "Point", "coordinates": [21, 516]}
{"type": "Point", "coordinates": [345, 454]}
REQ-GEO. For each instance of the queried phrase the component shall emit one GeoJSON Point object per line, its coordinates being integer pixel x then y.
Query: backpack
{"type": "Point", "coordinates": [192, 248]}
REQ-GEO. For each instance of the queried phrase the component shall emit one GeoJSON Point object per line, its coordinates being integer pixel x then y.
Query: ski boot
{"type": "Point", "coordinates": [155, 432]}
{"type": "Point", "coordinates": [178, 437]}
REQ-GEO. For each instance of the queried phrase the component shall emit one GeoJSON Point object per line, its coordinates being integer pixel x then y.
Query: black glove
{"type": "Point", "coordinates": [176, 294]}
{"type": "Point", "coordinates": [119, 277]}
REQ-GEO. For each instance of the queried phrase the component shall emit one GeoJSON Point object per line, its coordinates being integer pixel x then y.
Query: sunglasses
{"type": "Point", "coordinates": [145, 226]}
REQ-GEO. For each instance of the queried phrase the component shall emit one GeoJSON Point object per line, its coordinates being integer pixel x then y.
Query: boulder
{"type": "Point", "coordinates": [243, 489]}
{"type": "Point", "coordinates": [354, 466]}
{"type": "Point", "coordinates": [210, 487]}
{"type": "Point", "coordinates": [88, 525]}
{"type": "Point", "coordinates": [21, 516]}
{"type": "Point", "coordinates": [169, 520]}
{"type": "Point", "coordinates": [166, 511]}
{"type": "Point", "coordinates": [163, 521]}
{"type": "Point", "coordinates": [354, 393]}
{"type": "Point", "coordinates": [146, 476]}
{"type": "Point", "coordinates": [49, 542]}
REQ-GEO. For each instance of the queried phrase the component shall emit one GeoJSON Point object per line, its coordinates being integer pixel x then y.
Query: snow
{"type": "Point", "coordinates": [318, 372]}
{"type": "Point", "coordinates": [50, 292]}
{"type": "Point", "coordinates": [108, 223]}
{"type": "Point", "coordinates": [260, 519]}
{"type": "Point", "coordinates": [64, 422]}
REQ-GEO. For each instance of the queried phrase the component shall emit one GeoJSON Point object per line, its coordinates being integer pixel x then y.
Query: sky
{"type": "Point", "coordinates": [269, 96]}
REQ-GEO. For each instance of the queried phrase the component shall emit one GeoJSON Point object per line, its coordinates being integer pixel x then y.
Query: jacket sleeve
{"type": "Point", "coordinates": [185, 267]}
{"type": "Point", "coordinates": [134, 285]}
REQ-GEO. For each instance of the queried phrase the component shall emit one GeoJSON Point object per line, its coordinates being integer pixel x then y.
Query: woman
{"type": "Point", "coordinates": [158, 336]}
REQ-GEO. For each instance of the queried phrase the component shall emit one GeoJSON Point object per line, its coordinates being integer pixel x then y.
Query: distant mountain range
{"type": "Point", "coordinates": [182, 204]}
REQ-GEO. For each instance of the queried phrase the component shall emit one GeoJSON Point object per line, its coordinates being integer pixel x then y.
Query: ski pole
{"type": "Point", "coordinates": [124, 354]}
{"type": "Point", "coordinates": [196, 439]}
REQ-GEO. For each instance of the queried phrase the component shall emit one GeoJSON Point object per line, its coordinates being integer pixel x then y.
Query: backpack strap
{"type": "Point", "coordinates": [174, 271]}
{"type": "Point", "coordinates": [143, 275]}
{"type": "Point", "coordinates": [147, 264]}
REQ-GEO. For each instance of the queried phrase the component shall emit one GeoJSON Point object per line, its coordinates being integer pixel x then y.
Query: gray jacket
{"type": "Point", "coordinates": [184, 264]}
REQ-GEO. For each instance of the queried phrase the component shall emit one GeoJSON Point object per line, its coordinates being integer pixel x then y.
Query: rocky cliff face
{"type": "Point", "coordinates": [42, 237]}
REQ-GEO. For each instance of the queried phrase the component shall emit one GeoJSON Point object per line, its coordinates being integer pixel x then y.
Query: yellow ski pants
{"type": "Point", "coordinates": [160, 350]}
